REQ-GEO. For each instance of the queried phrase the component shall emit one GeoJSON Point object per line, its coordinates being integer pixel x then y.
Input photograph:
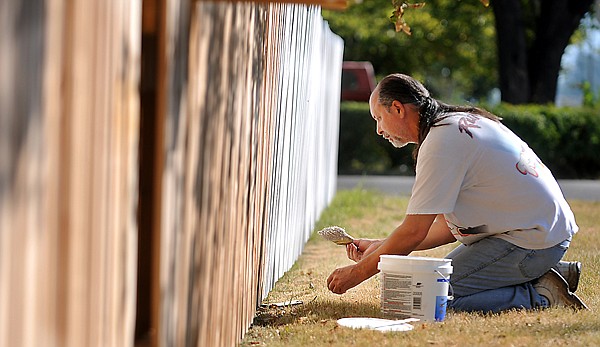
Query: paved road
{"type": "Point", "coordinates": [401, 185]}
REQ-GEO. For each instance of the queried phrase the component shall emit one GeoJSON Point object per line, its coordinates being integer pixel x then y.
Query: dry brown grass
{"type": "Point", "coordinates": [369, 214]}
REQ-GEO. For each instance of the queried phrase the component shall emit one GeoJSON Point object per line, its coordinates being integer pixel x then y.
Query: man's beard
{"type": "Point", "coordinates": [397, 143]}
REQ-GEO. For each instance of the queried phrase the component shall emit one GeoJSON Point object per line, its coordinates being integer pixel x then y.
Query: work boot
{"type": "Point", "coordinates": [570, 271]}
{"type": "Point", "coordinates": [555, 288]}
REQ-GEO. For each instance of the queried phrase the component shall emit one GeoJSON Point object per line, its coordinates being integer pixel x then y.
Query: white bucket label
{"type": "Point", "coordinates": [397, 295]}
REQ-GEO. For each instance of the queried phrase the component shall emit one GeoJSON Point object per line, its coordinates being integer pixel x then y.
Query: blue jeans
{"type": "Point", "coordinates": [493, 275]}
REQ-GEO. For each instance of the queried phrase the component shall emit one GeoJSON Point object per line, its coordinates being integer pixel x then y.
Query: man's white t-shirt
{"type": "Point", "coordinates": [488, 182]}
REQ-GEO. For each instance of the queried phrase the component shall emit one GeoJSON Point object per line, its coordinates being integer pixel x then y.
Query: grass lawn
{"type": "Point", "coordinates": [370, 214]}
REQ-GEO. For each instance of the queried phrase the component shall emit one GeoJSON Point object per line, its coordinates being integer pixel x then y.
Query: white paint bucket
{"type": "Point", "coordinates": [414, 287]}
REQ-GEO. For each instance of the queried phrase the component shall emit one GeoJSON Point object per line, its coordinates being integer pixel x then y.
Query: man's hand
{"type": "Point", "coordinates": [405, 239]}
{"type": "Point", "coordinates": [360, 248]}
{"type": "Point", "coordinates": [344, 278]}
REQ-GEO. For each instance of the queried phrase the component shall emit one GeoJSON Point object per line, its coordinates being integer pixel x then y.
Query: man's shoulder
{"type": "Point", "coordinates": [462, 125]}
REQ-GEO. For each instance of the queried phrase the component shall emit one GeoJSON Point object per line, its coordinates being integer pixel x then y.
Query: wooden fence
{"type": "Point", "coordinates": [162, 163]}
{"type": "Point", "coordinates": [68, 172]}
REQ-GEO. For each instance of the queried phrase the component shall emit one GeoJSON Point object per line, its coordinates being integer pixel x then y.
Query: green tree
{"type": "Point", "coordinates": [532, 37]}
{"type": "Point", "coordinates": [463, 46]}
{"type": "Point", "coordinates": [452, 47]}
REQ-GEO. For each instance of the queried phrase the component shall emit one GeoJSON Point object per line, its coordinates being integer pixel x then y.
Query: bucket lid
{"type": "Point", "coordinates": [401, 263]}
{"type": "Point", "coordinates": [405, 259]}
{"type": "Point", "coordinates": [377, 323]}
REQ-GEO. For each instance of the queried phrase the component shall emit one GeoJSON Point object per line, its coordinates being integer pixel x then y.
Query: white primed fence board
{"type": "Point", "coordinates": [257, 134]}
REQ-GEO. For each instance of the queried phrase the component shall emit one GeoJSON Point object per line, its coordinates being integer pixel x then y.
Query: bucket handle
{"type": "Point", "coordinates": [451, 296]}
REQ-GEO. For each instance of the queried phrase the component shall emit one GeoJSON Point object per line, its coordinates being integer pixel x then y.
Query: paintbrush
{"type": "Point", "coordinates": [336, 235]}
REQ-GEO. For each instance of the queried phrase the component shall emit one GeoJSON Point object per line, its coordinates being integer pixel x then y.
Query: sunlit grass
{"type": "Point", "coordinates": [369, 214]}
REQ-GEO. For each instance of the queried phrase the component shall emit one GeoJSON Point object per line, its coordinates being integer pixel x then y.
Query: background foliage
{"type": "Point", "coordinates": [566, 139]}
{"type": "Point", "coordinates": [452, 47]}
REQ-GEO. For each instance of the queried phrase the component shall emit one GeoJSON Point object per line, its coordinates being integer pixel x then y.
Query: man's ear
{"type": "Point", "coordinates": [398, 108]}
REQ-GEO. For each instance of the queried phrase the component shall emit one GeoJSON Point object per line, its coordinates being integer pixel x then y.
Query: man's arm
{"type": "Point", "coordinates": [439, 234]}
{"type": "Point", "coordinates": [406, 238]}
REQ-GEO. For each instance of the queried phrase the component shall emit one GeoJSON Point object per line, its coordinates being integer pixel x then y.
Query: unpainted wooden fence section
{"type": "Point", "coordinates": [68, 172]}
{"type": "Point", "coordinates": [162, 163]}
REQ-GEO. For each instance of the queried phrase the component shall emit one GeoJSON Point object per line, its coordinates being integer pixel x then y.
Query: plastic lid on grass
{"type": "Point", "coordinates": [377, 323]}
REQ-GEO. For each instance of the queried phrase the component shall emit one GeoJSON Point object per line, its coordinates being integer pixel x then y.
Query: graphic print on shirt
{"type": "Point", "coordinates": [467, 122]}
{"type": "Point", "coordinates": [467, 231]}
{"type": "Point", "coordinates": [528, 163]}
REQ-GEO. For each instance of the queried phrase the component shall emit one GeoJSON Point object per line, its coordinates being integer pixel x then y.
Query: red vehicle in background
{"type": "Point", "coordinates": [358, 80]}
